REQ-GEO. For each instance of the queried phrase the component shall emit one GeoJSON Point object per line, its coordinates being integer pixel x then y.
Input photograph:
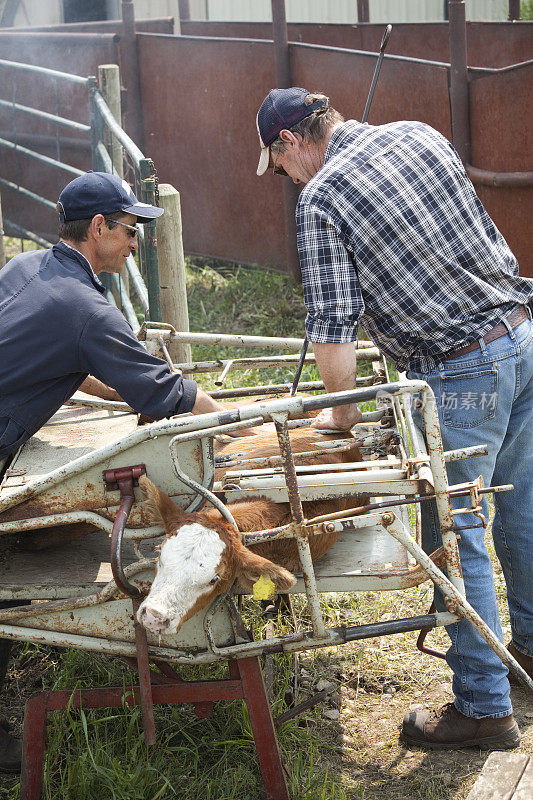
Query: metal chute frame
{"type": "Point", "coordinates": [414, 478]}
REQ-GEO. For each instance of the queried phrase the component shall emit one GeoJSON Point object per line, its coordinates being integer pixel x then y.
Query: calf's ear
{"type": "Point", "coordinates": [250, 567]}
{"type": "Point", "coordinates": [160, 508]}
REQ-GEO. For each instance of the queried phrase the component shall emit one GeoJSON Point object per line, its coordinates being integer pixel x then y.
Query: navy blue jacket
{"type": "Point", "coordinates": [56, 327]}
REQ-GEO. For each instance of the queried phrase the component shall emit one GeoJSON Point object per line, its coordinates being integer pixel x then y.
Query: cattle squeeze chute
{"type": "Point", "coordinates": [79, 475]}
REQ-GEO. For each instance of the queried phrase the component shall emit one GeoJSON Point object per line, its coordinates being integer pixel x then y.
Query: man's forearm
{"type": "Point", "coordinates": [92, 385]}
{"type": "Point", "coordinates": [337, 364]}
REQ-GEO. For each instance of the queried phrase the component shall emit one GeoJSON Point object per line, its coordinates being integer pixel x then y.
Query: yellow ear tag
{"type": "Point", "coordinates": [264, 589]}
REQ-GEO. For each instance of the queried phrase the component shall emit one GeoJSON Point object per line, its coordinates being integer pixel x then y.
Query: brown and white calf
{"type": "Point", "coordinates": [203, 554]}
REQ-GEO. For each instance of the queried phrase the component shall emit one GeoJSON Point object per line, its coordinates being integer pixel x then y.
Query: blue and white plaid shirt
{"type": "Point", "coordinates": [391, 233]}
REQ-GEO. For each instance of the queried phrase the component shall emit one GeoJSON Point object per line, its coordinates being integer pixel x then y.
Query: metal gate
{"type": "Point", "coordinates": [105, 133]}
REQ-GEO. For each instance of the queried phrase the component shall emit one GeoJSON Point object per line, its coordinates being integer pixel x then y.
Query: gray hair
{"type": "Point", "coordinates": [314, 127]}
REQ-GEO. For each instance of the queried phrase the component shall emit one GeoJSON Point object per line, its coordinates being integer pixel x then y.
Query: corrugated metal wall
{"type": "Point", "coordinates": [346, 10]}
{"type": "Point", "coordinates": [35, 12]}
{"type": "Point", "coordinates": [149, 9]}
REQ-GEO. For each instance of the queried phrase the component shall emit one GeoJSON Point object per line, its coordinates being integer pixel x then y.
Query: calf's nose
{"type": "Point", "coordinates": [153, 620]}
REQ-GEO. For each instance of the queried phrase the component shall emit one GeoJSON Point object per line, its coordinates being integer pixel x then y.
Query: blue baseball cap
{"type": "Point", "coordinates": [280, 110]}
{"type": "Point", "coordinates": [101, 193]}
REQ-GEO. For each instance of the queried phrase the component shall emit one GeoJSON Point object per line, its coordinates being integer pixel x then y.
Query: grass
{"type": "Point", "coordinates": [100, 754]}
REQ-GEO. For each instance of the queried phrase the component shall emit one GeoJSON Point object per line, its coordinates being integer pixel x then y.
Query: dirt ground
{"type": "Point", "coordinates": [374, 757]}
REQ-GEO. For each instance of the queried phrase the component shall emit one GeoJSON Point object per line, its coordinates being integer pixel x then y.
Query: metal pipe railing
{"type": "Point", "coordinates": [27, 193]}
{"type": "Point", "coordinates": [138, 283]}
{"type": "Point", "coordinates": [26, 234]}
{"type": "Point", "coordinates": [146, 178]}
{"type": "Point", "coordinates": [107, 117]}
{"type": "Point", "coordinates": [43, 159]}
{"type": "Point", "coordinates": [51, 73]}
{"type": "Point", "coordinates": [125, 303]}
{"type": "Point", "coordinates": [36, 112]}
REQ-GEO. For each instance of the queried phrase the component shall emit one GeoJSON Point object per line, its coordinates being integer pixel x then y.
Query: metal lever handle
{"type": "Point", "coordinates": [123, 479]}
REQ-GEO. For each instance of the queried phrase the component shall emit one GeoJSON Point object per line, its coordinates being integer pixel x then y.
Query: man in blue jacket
{"type": "Point", "coordinates": [58, 333]}
{"type": "Point", "coordinates": [57, 328]}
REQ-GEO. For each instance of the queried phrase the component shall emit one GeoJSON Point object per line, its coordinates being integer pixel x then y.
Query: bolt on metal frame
{"type": "Point", "coordinates": [102, 124]}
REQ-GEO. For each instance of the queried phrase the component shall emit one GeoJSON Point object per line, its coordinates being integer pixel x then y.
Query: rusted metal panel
{"type": "Point", "coordinates": [232, 213]}
{"type": "Point", "coordinates": [429, 103]}
{"type": "Point", "coordinates": [501, 103]}
{"type": "Point", "coordinates": [490, 44]}
{"type": "Point", "coordinates": [228, 211]}
{"type": "Point", "coordinates": [200, 118]}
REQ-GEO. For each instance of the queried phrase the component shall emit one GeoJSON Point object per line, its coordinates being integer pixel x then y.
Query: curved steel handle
{"type": "Point", "coordinates": [124, 480]}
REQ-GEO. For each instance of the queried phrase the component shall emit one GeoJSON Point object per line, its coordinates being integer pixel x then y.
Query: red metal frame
{"type": "Point", "coordinates": [245, 682]}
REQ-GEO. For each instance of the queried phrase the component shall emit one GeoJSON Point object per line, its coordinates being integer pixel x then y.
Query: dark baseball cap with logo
{"type": "Point", "coordinates": [280, 110]}
{"type": "Point", "coordinates": [101, 193]}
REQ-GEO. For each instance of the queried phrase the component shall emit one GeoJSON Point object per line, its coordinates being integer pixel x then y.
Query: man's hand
{"type": "Point", "coordinates": [340, 418]}
{"type": "Point", "coordinates": [205, 404]}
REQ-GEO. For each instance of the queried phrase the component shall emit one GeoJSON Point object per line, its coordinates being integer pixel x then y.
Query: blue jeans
{"type": "Point", "coordinates": [486, 397]}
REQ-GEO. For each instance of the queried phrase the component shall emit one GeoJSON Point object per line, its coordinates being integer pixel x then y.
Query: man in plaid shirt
{"type": "Point", "coordinates": [392, 234]}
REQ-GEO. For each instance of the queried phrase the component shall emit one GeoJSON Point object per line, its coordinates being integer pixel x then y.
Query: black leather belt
{"type": "Point", "coordinates": [515, 318]}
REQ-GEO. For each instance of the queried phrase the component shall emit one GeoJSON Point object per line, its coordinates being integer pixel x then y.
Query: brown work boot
{"type": "Point", "coordinates": [526, 662]}
{"type": "Point", "coordinates": [446, 728]}
{"type": "Point", "coordinates": [10, 750]}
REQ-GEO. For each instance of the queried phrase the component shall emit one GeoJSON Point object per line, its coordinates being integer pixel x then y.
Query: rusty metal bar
{"type": "Point", "coordinates": [109, 592]}
{"type": "Point", "coordinates": [455, 595]}
{"type": "Point", "coordinates": [459, 100]}
{"type": "Point", "coordinates": [261, 362]}
{"type": "Point", "coordinates": [284, 81]}
{"type": "Point", "coordinates": [363, 11]}
{"type": "Point", "coordinates": [383, 45]}
{"type": "Point", "coordinates": [145, 683]}
{"type": "Point", "coordinates": [302, 540]}
{"type": "Point", "coordinates": [39, 157]}
{"type": "Point", "coordinates": [234, 459]}
{"type": "Point", "coordinates": [129, 60]}
{"type": "Point", "coordinates": [184, 10]}
{"type": "Point", "coordinates": [152, 331]}
{"type": "Point", "coordinates": [514, 10]}
{"type": "Point", "coordinates": [50, 73]}
{"type": "Point", "coordinates": [484, 177]}
{"type": "Point", "coordinates": [440, 481]}
{"type": "Point", "coordinates": [123, 479]}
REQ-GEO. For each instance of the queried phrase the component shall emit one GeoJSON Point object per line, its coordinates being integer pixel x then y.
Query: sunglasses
{"type": "Point", "coordinates": [132, 229]}
{"type": "Point", "coordinates": [275, 169]}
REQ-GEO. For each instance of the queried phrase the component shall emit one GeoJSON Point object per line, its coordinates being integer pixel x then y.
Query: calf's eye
{"type": "Point", "coordinates": [214, 580]}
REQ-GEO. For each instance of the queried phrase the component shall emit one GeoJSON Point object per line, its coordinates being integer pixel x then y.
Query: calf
{"type": "Point", "coordinates": [203, 555]}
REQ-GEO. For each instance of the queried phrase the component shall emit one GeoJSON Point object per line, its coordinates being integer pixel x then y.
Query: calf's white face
{"type": "Point", "coordinates": [187, 569]}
